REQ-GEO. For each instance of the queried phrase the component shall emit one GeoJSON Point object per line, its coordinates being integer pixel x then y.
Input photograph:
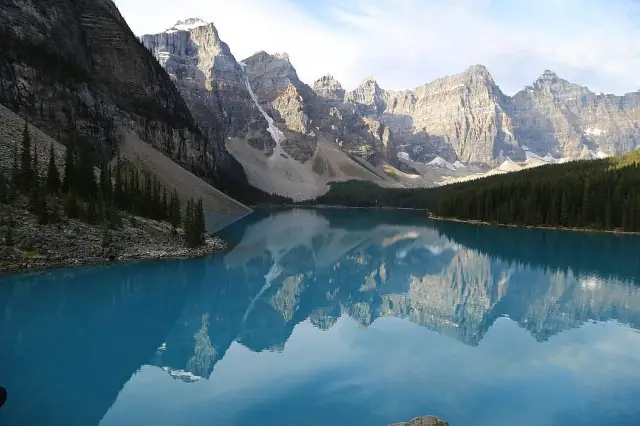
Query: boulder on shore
{"type": "Point", "coordinates": [424, 421]}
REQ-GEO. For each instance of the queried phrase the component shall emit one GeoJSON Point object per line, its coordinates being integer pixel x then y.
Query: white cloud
{"type": "Point", "coordinates": [406, 43]}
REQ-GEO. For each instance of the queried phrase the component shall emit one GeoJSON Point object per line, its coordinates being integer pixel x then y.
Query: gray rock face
{"type": "Point", "coordinates": [60, 68]}
{"type": "Point", "coordinates": [566, 119]}
{"type": "Point", "coordinates": [209, 78]}
{"type": "Point", "coordinates": [424, 421]}
{"type": "Point", "coordinates": [466, 117]}
{"type": "Point", "coordinates": [463, 117]}
{"type": "Point", "coordinates": [280, 92]}
{"type": "Point", "coordinates": [328, 87]}
{"type": "Point", "coordinates": [214, 86]}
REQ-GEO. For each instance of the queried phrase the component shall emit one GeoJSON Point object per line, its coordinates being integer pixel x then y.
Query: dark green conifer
{"type": "Point", "coordinates": [69, 167]}
{"type": "Point", "coordinates": [53, 176]}
{"type": "Point", "coordinates": [26, 172]}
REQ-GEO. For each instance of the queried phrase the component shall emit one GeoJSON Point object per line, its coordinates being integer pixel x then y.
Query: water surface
{"type": "Point", "coordinates": [334, 318]}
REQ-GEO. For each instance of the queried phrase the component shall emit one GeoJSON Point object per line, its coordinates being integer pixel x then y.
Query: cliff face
{"type": "Point", "coordinates": [209, 78]}
{"type": "Point", "coordinates": [466, 117]}
{"type": "Point", "coordinates": [281, 131]}
{"type": "Point", "coordinates": [73, 66]}
{"type": "Point", "coordinates": [457, 118]}
{"type": "Point", "coordinates": [558, 117]}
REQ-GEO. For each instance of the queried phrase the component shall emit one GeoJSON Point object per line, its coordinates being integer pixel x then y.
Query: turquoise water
{"type": "Point", "coordinates": [334, 318]}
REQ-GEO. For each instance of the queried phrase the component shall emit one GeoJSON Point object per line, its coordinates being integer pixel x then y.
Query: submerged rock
{"type": "Point", "coordinates": [424, 421]}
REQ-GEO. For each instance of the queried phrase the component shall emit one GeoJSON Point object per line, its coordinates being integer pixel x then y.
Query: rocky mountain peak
{"type": "Point", "coordinates": [479, 70]}
{"type": "Point", "coordinates": [328, 87]}
{"type": "Point", "coordinates": [270, 74]}
{"type": "Point", "coordinates": [548, 75]}
{"type": "Point", "coordinates": [479, 74]}
{"type": "Point", "coordinates": [369, 95]}
{"type": "Point", "coordinates": [188, 24]}
{"type": "Point", "coordinates": [551, 84]}
{"type": "Point", "coordinates": [283, 56]}
{"type": "Point", "coordinates": [369, 82]}
{"type": "Point", "coordinates": [263, 56]}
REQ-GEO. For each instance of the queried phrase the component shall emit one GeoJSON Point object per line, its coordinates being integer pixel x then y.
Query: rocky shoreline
{"type": "Point", "coordinates": [549, 228]}
{"type": "Point", "coordinates": [214, 245]}
{"type": "Point", "coordinates": [71, 242]}
{"type": "Point", "coordinates": [424, 421]}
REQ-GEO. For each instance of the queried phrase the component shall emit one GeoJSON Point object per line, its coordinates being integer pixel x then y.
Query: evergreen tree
{"type": "Point", "coordinates": [118, 198]}
{"type": "Point", "coordinates": [53, 176]}
{"type": "Point", "coordinates": [71, 206]}
{"type": "Point", "coordinates": [194, 226]}
{"type": "Point", "coordinates": [4, 189]}
{"type": "Point", "coordinates": [165, 205]}
{"type": "Point", "coordinates": [35, 167]}
{"type": "Point", "coordinates": [200, 223]}
{"type": "Point", "coordinates": [92, 213]}
{"type": "Point", "coordinates": [564, 210]}
{"type": "Point", "coordinates": [188, 221]}
{"type": "Point", "coordinates": [14, 185]}
{"type": "Point", "coordinates": [586, 204]}
{"type": "Point", "coordinates": [42, 211]}
{"type": "Point", "coordinates": [26, 172]}
{"type": "Point", "coordinates": [85, 178]}
{"type": "Point", "coordinates": [8, 236]}
{"type": "Point", "coordinates": [69, 167]}
{"type": "Point", "coordinates": [174, 210]}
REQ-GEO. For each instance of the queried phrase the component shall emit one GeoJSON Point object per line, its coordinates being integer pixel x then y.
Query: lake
{"type": "Point", "coordinates": [332, 318]}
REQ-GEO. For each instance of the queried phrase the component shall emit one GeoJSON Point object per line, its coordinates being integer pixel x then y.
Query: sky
{"type": "Point", "coordinates": [407, 43]}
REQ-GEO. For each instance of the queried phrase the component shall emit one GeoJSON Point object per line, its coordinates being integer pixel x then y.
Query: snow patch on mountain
{"type": "Point", "coordinates": [187, 24]}
{"type": "Point", "coordinates": [594, 131]}
{"type": "Point", "coordinates": [273, 130]}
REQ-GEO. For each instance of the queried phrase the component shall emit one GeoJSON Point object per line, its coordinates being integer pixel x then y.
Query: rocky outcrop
{"type": "Point", "coordinates": [76, 68]}
{"type": "Point", "coordinates": [460, 117]}
{"type": "Point", "coordinates": [463, 119]}
{"type": "Point", "coordinates": [274, 123]}
{"type": "Point", "coordinates": [424, 421]}
{"type": "Point", "coordinates": [568, 120]}
{"type": "Point", "coordinates": [57, 245]}
{"type": "Point", "coordinates": [213, 84]}
{"type": "Point", "coordinates": [208, 76]}
{"type": "Point", "coordinates": [466, 117]}
{"type": "Point", "coordinates": [330, 88]}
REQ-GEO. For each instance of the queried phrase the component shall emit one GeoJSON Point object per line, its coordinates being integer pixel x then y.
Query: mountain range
{"type": "Point", "coordinates": [180, 96]}
{"type": "Point", "coordinates": [280, 128]}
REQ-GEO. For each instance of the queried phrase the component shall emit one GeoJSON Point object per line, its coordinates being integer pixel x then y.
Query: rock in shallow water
{"type": "Point", "coordinates": [424, 421]}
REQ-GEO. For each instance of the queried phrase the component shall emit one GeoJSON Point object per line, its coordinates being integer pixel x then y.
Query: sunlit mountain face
{"type": "Point", "coordinates": [313, 312]}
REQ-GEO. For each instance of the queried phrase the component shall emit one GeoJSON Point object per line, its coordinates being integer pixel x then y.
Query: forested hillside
{"type": "Point", "coordinates": [599, 194]}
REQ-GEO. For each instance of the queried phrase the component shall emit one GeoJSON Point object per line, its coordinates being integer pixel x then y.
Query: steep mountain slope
{"type": "Point", "coordinates": [276, 126]}
{"type": "Point", "coordinates": [466, 117]}
{"type": "Point", "coordinates": [76, 67]}
{"type": "Point", "coordinates": [460, 117]}
{"type": "Point", "coordinates": [565, 119]}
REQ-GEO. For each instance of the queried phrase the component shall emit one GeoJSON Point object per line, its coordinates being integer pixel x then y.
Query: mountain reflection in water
{"type": "Point", "coordinates": [72, 339]}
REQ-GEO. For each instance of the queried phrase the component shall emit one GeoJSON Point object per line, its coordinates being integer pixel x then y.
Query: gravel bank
{"type": "Point", "coordinates": [72, 242]}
